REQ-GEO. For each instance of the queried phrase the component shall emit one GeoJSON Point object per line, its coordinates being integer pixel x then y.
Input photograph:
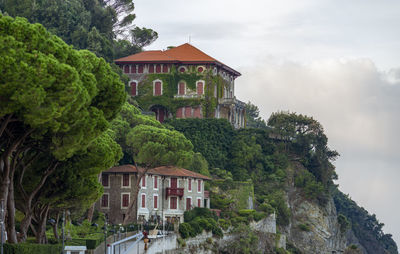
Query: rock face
{"type": "Point", "coordinates": [314, 229]}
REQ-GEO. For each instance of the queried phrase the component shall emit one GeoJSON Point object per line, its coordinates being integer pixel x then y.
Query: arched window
{"type": "Point", "coordinates": [140, 69]}
{"type": "Point", "coordinates": [181, 88]}
{"type": "Point", "coordinates": [165, 68]}
{"type": "Point", "coordinates": [134, 90]}
{"type": "Point", "coordinates": [157, 88]}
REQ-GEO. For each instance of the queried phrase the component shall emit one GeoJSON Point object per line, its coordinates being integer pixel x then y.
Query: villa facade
{"type": "Point", "coordinates": [183, 82]}
{"type": "Point", "coordinates": [165, 192]}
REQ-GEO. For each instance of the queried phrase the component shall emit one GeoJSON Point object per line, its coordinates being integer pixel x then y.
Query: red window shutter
{"type": "Point", "coordinates": [143, 201]}
{"type": "Point", "coordinates": [179, 113]}
{"type": "Point", "coordinates": [199, 185]}
{"type": "Point", "coordinates": [126, 69]}
{"type": "Point", "coordinates": [155, 201]}
{"type": "Point", "coordinates": [158, 68]}
{"type": "Point", "coordinates": [157, 88]}
{"type": "Point", "coordinates": [104, 180]}
{"type": "Point", "coordinates": [133, 68]}
{"type": "Point", "coordinates": [200, 89]}
{"type": "Point", "coordinates": [143, 181]}
{"type": "Point", "coordinates": [133, 88]}
{"type": "Point", "coordinates": [151, 68]}
{"type": "Point", "coordinates": [197, 113]}
{"type": "Point", "coordinates": [165, 68]}
{"type": "Point", "coordinates": [181, 88]}
{"type": "Point", "coordinates": [104, 200]}
{"type": "Point", "coordinates": [140, 70]}
{"type": "Point", "coordinates": [199, 203]}
{"type": "Point", "coordinates": [125, 180]}
{"type": "Point", "coordinates": [125, 200]}
{"type": "Point", "coordinates": [190, 184]}
{"type": "Point", "coordinates": [155, 182]}
{"type": "Point", "coordinates": [173, 203]}
{"type": "Point", "coordinates": [174, 183]}
{"type": "Point", "coordinates": [188, 111]}
{"type": "Point", "coordinates": [188, 203]}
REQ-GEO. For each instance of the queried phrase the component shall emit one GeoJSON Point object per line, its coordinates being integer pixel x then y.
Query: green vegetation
{"type": "Point", "coordinates": [366, 227]}
{"type": "Point", "coordinates": [92, 25]}
{"type": "Point", "coordinates": [304, 227]}
{"type": "Point", "coordinates": [197, 220]}
{"type": "Point", "coordinates": [31, 248]}
{"type": "Point", "coordinates": [56, 104]}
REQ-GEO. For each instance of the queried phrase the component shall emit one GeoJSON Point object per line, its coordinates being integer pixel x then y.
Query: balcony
{"type": "Point", "coordinates": [174, 192]}
{"type": "Point", "coordinates": [231, 101]}
{"type": "Point", "coordinates": [188, 96]}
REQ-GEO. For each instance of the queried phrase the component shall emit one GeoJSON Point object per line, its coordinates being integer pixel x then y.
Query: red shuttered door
{"type": "Point", "coordinates": [133, 88]}
{"type": "Point", "coordinates": [188, 203]}
{"type": "Point", "coordinates": [181, 88]}
{"type": "Point", "coordinates": [173, 204]}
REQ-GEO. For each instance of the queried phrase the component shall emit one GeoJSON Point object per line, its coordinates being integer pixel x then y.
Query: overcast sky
{"type": "Point", "coordinates": [335, 60]}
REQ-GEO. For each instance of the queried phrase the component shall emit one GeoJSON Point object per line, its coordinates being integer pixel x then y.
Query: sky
{"type": "Point", "coordinates": [335, 60]}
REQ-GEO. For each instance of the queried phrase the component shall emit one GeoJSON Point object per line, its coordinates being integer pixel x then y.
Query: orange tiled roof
{"type": "Point", "coordinates": [147, 56]}
{"type": "Point", "coordinates": [163, 171]}
{"type": "Point", "coordinates": [184, 53]}
{"type": "Point", "coordinates": [188, 53]}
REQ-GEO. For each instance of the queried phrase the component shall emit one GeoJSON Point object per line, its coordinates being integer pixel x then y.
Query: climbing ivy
{"type": "Point", "coordinates": [170, 83]}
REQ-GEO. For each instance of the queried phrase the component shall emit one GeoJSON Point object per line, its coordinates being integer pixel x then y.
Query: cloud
{"type": "Point", "coordinates": [357, 104]}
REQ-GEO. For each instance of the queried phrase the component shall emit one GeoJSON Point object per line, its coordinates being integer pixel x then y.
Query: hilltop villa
{"type": "Point", "coordinates": [183, 82]}
{"type": "Point", "coordinates": [165, 192]}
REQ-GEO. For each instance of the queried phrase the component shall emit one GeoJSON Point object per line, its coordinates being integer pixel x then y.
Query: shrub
{"type": "Point", "coordinates": [259, 216]}
{"type": "Point", "coordinates": [31, 248]}
{"type": "Point", "coordinates": [267, 208]}
{"type": "Point", "coordinates": [181, 242]}
{"type": "Point", "coordinates": [224, 223]}
{"type": "Point", "coordinates": [185, 230]}
{"type": "Point", "coordinates": [304, 227]}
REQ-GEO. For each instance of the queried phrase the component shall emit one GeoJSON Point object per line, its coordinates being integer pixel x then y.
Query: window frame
{"type": "Point", "coordinates": [108, 200]}
{"type": "Point", "coordinates": [122, 181]}
{"type": "Point", "coordinates": [122, 199]}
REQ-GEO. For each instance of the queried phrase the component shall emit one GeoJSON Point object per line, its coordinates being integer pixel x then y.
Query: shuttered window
{"type": "Point", "coordinates": [157, 88]}
{"type": "Point", "coordinates": [125, 200]}
{"type": "Point", "coordinates": [174, 203]}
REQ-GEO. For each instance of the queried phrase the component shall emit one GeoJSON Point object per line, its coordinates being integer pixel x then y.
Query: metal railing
{"type": "Point", "coordinates": [115, 248]}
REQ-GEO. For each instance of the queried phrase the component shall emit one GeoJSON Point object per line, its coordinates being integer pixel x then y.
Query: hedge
{"type": "Point", "coordinates": [31, 248]}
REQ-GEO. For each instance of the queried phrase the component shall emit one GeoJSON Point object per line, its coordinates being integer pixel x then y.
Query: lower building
{"type": "Point", "coordinates": [165, 193]}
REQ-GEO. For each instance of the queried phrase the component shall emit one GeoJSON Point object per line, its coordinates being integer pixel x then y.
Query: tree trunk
{"type": "Point", "coordinates": [55, 226]}
{"type": "Point", "coordinates": [131, 212]}
{"type": "Point", "coordinates": [90, 213]}
{"type": "Point", "coordinates": [41, 230]}
{"type": "Point", "coordinates": [11, 233]}
{"type": "Point", "coordinates": [25, 223]}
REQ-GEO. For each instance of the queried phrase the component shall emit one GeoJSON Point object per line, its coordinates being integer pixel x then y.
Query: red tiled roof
{"type": "Point", "coordinates": [122, 169]}
{"type": "Point", "coordinates": [188, 53]}
{"type": "Point", "coordinates": [175, 171]}
{"type": "Point", "coordinates": [147, 56]}
{"type": "Point", "coordinates": [184, 53]}
{"type": "Point", "coordinates": [163, 171]}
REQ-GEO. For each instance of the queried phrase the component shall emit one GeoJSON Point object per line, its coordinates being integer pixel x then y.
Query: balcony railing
{"type": "Point", "coordinates": [189, 96]}
{"type": "Point", "coordinates": [174, 192]}
{"type": "Point", "coordinates": [232, 101]}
